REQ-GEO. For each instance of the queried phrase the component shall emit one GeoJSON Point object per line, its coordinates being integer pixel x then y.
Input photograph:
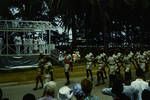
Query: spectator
{"type": "Point", "coordinates": [119, 91]}
{"type": "Point", "coordinates": [29, 96]}
{"type": "Point", "coordinates": [49, 91]}
{"type": "Point", "coordinates": [87, 86]}
{"type": "Point", "coordinates": [65, 93]}
{"type": "Point", "coordinates": [139, 84]}
{"type": "Point", "coordinates": [77, 91]}
{"type": "Point", "coordinates": [146, 92]}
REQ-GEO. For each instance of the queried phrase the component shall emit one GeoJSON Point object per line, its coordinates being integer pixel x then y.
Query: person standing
{"type": "Point", "coordinates": [18, 43]}
{"type": "Point", "coordinates": [40, 45]}
{"type": "Point", "coordinates": [127, 68]}
{"type": "Point", "coordinates": [1, 44]}
{"type": "Point", "coordinates": [100, 70]}
{"type": "Point", "coordinates": [67, 58]}
{"type": "Point", "coordinates": [139, 84]}
{"type": "Point", "coordinates": [25, 44]}
{"type": "Point", "coordinates": [89, 63]}
{"type": "Point", "coordinates": [30, 44]}
{"type": "Point", "coordinates": [48, 69]}
{"type": "Point", "coordinates": [40, 71]}
{"type": "Point", "coordinates": [111, 70]}
{"type": "Point", "coordinates": [36, 43]}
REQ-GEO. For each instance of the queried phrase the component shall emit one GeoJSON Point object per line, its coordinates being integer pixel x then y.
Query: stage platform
{"type": "Point", "coordinates": [9, 62]}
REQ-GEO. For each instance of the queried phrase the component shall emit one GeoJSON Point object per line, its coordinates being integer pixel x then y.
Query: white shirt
{"type": "Point", "coordinates": [18, 40]}
{"type": "Point", "coordinates": [140, 85]}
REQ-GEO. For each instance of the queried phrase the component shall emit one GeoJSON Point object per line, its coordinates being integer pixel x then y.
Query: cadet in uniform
{"type": "Point", "coordinates": [101, 68]}
{"type": "Point", "coordinates": [127, 68]}
{"type": "Point", "coordinates": [48, 69]}
{"type": "Point", "coordinates": [89, 62]}
{"type": "Point", "coordinates": [40, 71]}
{"type": "Point", "coordinates": [111, 70]}
{"type": "Point", "coordinates": [67, 58]}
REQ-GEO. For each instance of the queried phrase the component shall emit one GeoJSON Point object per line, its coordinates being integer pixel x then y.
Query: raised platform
{"type": "Point", "coordinates": [10, 62]}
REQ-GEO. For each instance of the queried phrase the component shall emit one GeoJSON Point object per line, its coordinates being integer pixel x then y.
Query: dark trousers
{"type": "Point", "coordinates": [39, 79]}
{"type": "Point", "coordinates": [100, 76]}
{"type": "Point", "coordinates": [104, 71]}
{"type": "Point", "coordinates": [51, 73]}
{"type": "Point", "coordinates": [89, 73]}
{"type": "Point", "coordinates": [128, 78]}
{"type": "Point", "coordinates": [67, 77]}
{"type": "Point", "coordinates": [112, 78]}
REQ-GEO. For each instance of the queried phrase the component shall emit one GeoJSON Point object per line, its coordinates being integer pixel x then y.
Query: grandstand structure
{"type": "Point", "coordinates": [9, 58]}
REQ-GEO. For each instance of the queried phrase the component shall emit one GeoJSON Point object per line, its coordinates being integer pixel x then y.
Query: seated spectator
{"type": "Point", "coordinates": [77, 91]}
{"type": "Point", "coordinates": [118, 91]}
{"type": "Point", "coordinates": [65, 93]}
{"type": "Point", "coordinates": [87, 87]}
{"type": "Point", "coordinates": [29, 96]}
{"type": "Point", "coordinates": [139, 84]}
{"type": "Point", "coordinates": [49, 91]}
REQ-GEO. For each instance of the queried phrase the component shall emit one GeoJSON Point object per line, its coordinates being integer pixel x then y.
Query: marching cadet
{"type": "Point", "coordinates": [67, 58]}
{"type": "Point", "coordinates": [139, 63]}
{"type": "Point", "coordinates": [142, 63]}
{"type": "Point", "coordinates": [40, 71]}
{"type": "Point", "coordinates": [101, 69]}
{"type": "Point", "coordinates": [118, 61]}
{"type": "Point", "coordinates": [146, 56]}
{"type": "Point", "coordinates": [104, 58]}
{"type": "Point", "coordinates": [48, 69]}
{"type": "Point", "coordinates": [127, 68]}
{"type": "Point", "coordinates": [111, 70]}
{"type": "Point", "coordinates": [89, 62]}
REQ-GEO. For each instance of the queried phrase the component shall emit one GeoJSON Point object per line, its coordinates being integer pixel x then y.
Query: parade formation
{"type": "Point", "coordinates": [112, 66]}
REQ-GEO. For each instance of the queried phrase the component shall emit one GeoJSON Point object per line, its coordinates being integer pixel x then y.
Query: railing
{"type": "Point", "coordinates": [13, 49]}
{"type": "Point", "coordinates": [17, 25]}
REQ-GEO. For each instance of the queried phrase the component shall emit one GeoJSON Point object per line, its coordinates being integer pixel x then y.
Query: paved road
{"type": "Point", "coordinates": [15, 91]}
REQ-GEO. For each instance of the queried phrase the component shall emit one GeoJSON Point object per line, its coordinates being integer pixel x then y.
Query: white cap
{"type": "Point", "coordinates": [65, 93]}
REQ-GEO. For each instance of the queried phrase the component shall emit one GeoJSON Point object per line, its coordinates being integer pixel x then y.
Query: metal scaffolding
{"type": "Point", "coordinates": [11, 28]}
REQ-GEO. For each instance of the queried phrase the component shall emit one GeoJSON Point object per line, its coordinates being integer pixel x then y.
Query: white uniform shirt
{"type": "Point", "coordinates": [127, 62]}
{"type": "Point", "coordinates": [100, 61]}
{"type": "Point", "coordinates": [67, 62]}
{"type": "Point", "coordinates": [18, 40]}
{"type": "Point", "coordinates": [89, 58]}
{"type": "Point", "coordinates": [112, 65]}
